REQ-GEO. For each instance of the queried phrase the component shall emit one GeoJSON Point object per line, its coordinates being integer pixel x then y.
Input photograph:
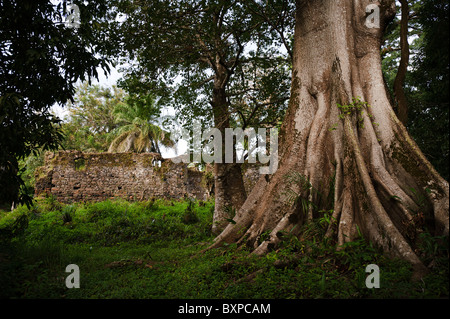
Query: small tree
{"type": "Point", "coordinates": [90, 124]}
{"type": "Point", "coordinates": [199, 54]}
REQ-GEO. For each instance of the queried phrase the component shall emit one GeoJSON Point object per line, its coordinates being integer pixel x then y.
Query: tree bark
{"type": "Point", "coordinates": [229, 189]}
{"type": "Point", "coordinates": [359, 162]}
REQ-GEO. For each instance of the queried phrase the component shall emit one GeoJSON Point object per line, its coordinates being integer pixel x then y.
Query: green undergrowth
{"type": "Point", "coordinates": [154, 249]}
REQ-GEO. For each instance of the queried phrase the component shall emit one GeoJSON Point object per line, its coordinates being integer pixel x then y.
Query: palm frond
{"type": "Point", "coordinates": [115, 144]}
{"type": "Point", "coordinates": [137, 132]}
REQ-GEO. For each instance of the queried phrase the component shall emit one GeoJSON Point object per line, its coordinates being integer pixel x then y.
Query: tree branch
{"type": "Point", "coordinates": [280, 21]}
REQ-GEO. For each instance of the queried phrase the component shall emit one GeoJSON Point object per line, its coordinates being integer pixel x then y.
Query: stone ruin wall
{"type": "Point", "coordinates": [73, 176]}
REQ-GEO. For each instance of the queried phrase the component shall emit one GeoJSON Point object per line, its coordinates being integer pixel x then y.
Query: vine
{"type": "Point", "coordinates": [356, 107]}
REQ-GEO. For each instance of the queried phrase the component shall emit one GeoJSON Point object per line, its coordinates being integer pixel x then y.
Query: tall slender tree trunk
{"type": "Point", "coordinates": [229, 190]}
{"type": "Point", "coordinates": [357, 160]}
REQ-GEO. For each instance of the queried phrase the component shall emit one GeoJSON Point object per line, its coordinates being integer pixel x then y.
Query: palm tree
{"type": "Point", "coordinates": [137, 133]}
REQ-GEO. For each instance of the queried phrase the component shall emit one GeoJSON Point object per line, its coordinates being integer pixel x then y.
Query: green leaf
{"type": "Point", "coordinates": [395, 197]}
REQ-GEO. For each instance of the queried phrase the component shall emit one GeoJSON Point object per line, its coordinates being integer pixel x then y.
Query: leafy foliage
{"type": "Point", "coordinates": [21, 133]}
{"type": "Point", "coordinates": [109, 119]}
{"type": "Point", "coordinates": [90, 124]}
{"type": "Point", "coordinates": [430, 101]}
{"type": "Point", "coordinates": [427, 81]}
{"type": "Point", "coordinates": [40, 60]}
{"type": "Point", "coordinates": [137, 133]}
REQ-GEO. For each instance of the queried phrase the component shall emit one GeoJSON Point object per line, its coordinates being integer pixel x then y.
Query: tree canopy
{"type": "Point", "coordinates": [175, 49]}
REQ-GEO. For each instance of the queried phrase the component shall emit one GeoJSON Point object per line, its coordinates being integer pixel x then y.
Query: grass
{"type": "Point", "coordinates": [152, 250]}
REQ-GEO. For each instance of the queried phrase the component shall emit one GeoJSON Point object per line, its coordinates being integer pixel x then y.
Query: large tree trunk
{"type": "Point", "coordinates": [229, 189]}
{"type": "Point", "coordinates": [359, 162]}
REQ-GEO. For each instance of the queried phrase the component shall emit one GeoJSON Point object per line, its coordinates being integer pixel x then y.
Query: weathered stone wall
{"type": "Point", "coordinates": [73, 176]}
